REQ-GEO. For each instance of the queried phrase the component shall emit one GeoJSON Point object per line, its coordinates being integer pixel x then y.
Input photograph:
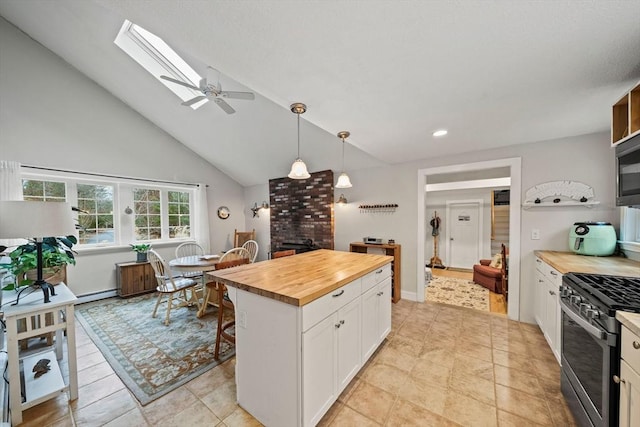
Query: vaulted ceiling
{"type": "Point", "coordinates": [494, 73]}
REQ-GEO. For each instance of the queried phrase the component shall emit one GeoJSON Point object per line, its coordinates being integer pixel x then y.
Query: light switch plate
{"type": "Point", "coordinates": [535, 234]}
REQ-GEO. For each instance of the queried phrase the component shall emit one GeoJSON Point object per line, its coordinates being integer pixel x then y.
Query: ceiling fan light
{"type": "Point", "coordinates": [299, 170]}
{"type": "Point", "coordinates": [344, 181]}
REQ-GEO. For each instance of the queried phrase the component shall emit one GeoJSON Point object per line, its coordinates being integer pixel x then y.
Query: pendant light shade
{"type": "Point", "coordinates": [343, 179]}
{"type": "Point", "coordinates": [298, 168]}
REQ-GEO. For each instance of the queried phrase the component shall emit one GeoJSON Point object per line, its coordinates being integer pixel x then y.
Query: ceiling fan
{"type": "Point", "coordinates": [212, 91]}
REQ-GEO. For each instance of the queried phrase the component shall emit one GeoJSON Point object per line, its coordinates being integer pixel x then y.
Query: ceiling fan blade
{"type": "Point", "coordinates": [226, 107]}
{"type": "Point", "coordinates": [170, 79]}
{"type": "Point", "coordinates": [203, 84]}
{"type": "Point", "coordinates": [238, 95]}
{"type": "Point", "coordinates": [193, 101]}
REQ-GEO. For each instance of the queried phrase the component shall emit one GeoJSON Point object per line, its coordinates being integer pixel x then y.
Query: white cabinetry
{"type": "Point", "coordinates": [630, 380]}
{"type": "Point", "coordinates": [292, 362]}
{"type": "Point", "coordinates": [547, 303]}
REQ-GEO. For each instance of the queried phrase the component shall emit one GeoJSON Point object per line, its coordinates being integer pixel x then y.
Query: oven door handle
{"type": "Point", "coordinates": [593, 330]}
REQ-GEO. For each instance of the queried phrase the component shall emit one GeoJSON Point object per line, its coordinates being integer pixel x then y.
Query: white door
{"type": "Point", "coordinates": [464, 234]}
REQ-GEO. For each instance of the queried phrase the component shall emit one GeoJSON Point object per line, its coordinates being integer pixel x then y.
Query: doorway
{"type": "Point", "coordinates": [464, 233]}
{"type": "Point", "coordinates": [514, 165]}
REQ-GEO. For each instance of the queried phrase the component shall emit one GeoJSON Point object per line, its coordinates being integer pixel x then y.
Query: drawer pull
{"type": "Point", "coordinates": [342, 322]}
{"type": "Point", "coordinates": [337, 325]}
{"type": "Point", "coordinates": [636, 345]}
{"type": "Point", "coordinates": [379, 271]}
{"type": "Point", "coordinates": [618, 380]}
{"type": "Point", "coordinates": [553, 273]}
{"type": "Point", "coordinates": [380, 294]}
{"type": "Point", "coordinates": [338, 294]}
{"type": "Point", "coordinates": [551, 293]}
{"type": "Point", "coordinates": [538, 261]}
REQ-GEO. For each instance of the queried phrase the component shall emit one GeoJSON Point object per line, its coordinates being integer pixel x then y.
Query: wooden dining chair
{"type": "Point", "coordinates": [190, 249]}
{"type": "Point", "coordinates": [225, 306]}
{"type": "Point", "coordinates": [240, 237]}
{"type": "Point", "coordinates": [235, 254]}
{"type": "Point", "coordinates": [171, 286]}
{"type": "Point", "coordinates": [280, 254]}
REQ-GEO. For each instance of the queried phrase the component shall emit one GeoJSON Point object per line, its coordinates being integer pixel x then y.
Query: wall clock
{"type": "Point", "coordinates": [223, 212]}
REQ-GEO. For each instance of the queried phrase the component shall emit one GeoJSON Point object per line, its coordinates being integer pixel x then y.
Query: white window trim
{"type": "Point", "coordinates": [630, 225]}
{"type": "Point", "coordinates": [122, 197]}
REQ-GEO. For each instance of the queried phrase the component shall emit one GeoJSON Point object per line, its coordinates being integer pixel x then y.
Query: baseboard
{"type": "Point", "coordinates": [96, 296]}
{"type": "Point", "coordinates": [411, 296]}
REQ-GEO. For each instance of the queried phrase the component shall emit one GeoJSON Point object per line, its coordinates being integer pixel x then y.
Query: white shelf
{"type": "Point", "coordinates": [529, 205]}
{"type": "Point", "coordinates": [47, 385]}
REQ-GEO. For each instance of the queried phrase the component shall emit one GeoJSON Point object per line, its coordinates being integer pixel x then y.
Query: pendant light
{"type": "Point", "coordinates": [343, 179]}
{"type": "Point", "coordinates": [298, 168]}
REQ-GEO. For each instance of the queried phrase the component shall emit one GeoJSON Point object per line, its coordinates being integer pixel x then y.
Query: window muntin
{"type": "Point", "coordinates": [148, 214]}
{"type": "Point", "coordinates": [96, 218]}
{"type": "Point", "coordinates": [179, 214]}
{"type": "Point", "coordinates": [44, 191]}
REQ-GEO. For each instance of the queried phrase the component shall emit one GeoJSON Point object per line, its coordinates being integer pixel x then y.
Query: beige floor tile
{"type": "Point", "coordinates": [66, 421]}
{"type": "Point", "coordinates": [560, 413]}
{"type": "Point", "coordinates": [168, 404]}
{"type": "Point", "coordinates": [94, 373]}
{"type": "Point", "coordinates": [435, 341]}
{"type": "Point", "coordinates": [523, 405]}
{"type": "Point", "coordinates": [551, 388]}
{"type": "Point", "coordinates": [519, 380]}
{"type": "Point", "coordinates": [440, 356]}
{"type": "Point", "coordinates": [331, 414]}
{"type": "Point", "coordinates": [473, 367]}
{"type": "Point", "coordinates": [106, 409]}
{"type": "Point", "coordinates": [467, 411]}
{"type": "Point", "coordinates": [222, 399]}
{"type": "Point", "coordinates": [393, 357]}
{"type": "Point", "coordinates": [406, 414]}
{"type": "Point", "coordinates": [473, 386]}
{"type": "Point", "coordinates": [513, 360]}
{"type": "Point", "coordinates": [426, 395]}
{"type": "Point", "coordinates": [506, 419]}
{"type": "Point", "coordinates": [240, 418]}
{"type": "Point", "coordinates": [371, 401]}
{"type": "Point", "coordinates": [89, 360]}
{"type": "Point", "coordinates": [197, 414]}
{"type": "Point", "coordinates": [347, 417]}
{"type": "Point", "coordinates": [202, 385]}
{"type": "Point", "coordinates": [427, 371]}
{"type": "Point", "coordinates": [97, 390]}
{"type": "Point", "coordinates": [512, 346]}
{"type": "Point", "coordinates": [547, 368]}
{"type": "Point", "coordinates": [474, 350]}
{"type": "Point", "coordinates": [51, 410]}
{"type": "Point", "coordinates": [386, 377]}
{"type": "Point", "coordinates": [349, 389]}
{"type": "Point", "coordinates": [413, 330]}
{"type": "Point", "coordinates": [406, 345]}
{"type": "Point", "coordinates": [133, 418]}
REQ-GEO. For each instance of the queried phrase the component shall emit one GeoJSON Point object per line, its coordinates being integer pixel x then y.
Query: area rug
{"type": "Point", "coordinates": [150, 358]}
{"type": "Point", "coordinates": [460, 292]}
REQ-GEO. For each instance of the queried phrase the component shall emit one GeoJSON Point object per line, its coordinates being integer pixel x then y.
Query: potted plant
{"type": "Point", "coordinates": [141, 250]}
{"type": "Point", "coordinates": [57, 252]}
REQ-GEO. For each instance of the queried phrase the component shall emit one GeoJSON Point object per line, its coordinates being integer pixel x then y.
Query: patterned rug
{"type": "Point", "coordinates": [152, 359]}
{"type": "Point", "coordinates": [460, 292]}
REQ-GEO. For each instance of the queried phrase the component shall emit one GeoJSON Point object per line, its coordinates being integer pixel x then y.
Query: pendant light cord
{"type": "Point", "coordinates": [342, 154]}
{"type": "Point", "coordinates": [298, 135]}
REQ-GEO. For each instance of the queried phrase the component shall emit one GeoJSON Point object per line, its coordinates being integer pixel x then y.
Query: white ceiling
{"type": "Point", "coordinates": [494, 73]}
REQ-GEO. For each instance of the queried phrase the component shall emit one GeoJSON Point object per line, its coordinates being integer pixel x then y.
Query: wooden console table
{"type": "Point", "coordinates": [32, 317]}
{"type": "Point", "coordinates": [391, 250]}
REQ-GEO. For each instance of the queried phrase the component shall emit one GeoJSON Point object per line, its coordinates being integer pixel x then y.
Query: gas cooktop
{"type": "Point", "coordinates": [616, 292]}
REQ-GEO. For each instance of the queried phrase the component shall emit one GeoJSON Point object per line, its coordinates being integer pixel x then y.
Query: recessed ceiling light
{"type": "Point", "coordinates": [441, 132]}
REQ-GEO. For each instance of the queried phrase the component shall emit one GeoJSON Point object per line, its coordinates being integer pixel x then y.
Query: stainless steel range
{"type": "Point", "coordinates": [591, 343]}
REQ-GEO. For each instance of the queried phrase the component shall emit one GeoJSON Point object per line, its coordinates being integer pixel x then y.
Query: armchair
{"type": "Point", "coordinates": [489, 276]}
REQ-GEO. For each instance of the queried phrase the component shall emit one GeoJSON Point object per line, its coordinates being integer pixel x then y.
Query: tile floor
{"type": "Point", "coordinates": [440, 366]}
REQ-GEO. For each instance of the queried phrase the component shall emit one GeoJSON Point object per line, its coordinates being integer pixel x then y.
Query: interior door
{"type": "Point", "coordinates": [464, 234]}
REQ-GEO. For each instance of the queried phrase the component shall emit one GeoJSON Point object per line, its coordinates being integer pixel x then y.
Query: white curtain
{"type": "Point", "coordinates": [201, 218]}
{"type": "Point", "coordinates": [10, 189]}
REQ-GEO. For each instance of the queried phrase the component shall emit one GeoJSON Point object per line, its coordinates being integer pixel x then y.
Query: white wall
{"type": "Point", "coordinates": [52, 115]}
{"type": "Point", "coordinates": [437, 201]}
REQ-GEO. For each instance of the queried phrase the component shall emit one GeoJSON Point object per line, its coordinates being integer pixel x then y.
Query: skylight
{"type": "Point", "coordinates": [159, 59]}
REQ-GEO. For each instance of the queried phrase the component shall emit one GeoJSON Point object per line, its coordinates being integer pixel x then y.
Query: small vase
{"type": "Point", "coordinates": [141, 257]}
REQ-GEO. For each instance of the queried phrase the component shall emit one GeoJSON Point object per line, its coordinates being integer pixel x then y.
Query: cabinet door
{"type": "Point", "coordinates": [629, 396]}
{"type": "Point", "coordinates": [150, 282]}
{"type": "Point", "coordinates": [370, 318]}
{"type": "Point", "coordinates": [384, 309]}
{"type": "Point", "coordinates": [551, 320]}
{"type": "Point", "coordinates": [348, 331]}
{"type": "Point", "coordinates": [319, 353]}
{"type": "Point", "coordinates": [540, 291]}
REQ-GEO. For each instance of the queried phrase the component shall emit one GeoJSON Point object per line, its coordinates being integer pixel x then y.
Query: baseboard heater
{"type": "Point", "coordinates": [96, 296]}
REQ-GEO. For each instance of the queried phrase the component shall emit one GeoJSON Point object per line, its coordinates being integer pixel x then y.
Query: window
{"type": "Point", "coordinates": [155, 56]}
{"type": "Point", "coordinates": [630, 225]}
{"type": "Point", "coordinates": [96, 220]}
{"type": "Point", "coordinates": [44, 191]}
{"type": "Point", "coordinates": [148, 221]}
{"type": "Point", "coordinates": [161, 212]}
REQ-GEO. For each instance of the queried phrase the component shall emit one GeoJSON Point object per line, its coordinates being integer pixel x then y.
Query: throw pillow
{"type": "Point", "coordinates": [496, 261]}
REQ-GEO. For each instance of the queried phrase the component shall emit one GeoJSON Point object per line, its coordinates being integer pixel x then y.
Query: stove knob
{"type": "Point", "coordinates": [565, 291]}
{"type": "Point", "coordinates": [593, 313]}
{"type": "Point", "coordinates": [575, 299]}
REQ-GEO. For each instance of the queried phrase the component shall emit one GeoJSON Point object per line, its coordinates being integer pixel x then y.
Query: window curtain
{"type": "Point", "coordinates": [201, 218]}
{"type": "Point", "coordinates": [10, 189]}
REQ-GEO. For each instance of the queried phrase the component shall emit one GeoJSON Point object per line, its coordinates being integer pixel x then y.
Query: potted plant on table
{"type": "Point", "coordinates": [141, 250]}
{"type": "Point", "coordinates": [57, 252]}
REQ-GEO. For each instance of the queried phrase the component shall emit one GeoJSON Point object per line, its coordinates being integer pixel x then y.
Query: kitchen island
{"type": "Point", "coordinates": [305, 325]}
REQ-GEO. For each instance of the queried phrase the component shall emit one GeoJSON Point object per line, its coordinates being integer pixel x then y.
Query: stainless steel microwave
{"type": "Point", "coordinates": [628, 172]}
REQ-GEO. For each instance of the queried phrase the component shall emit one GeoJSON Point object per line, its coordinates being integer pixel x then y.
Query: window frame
{"type": "Point", "coordinates": [123, 223]}
{"type": "Point", "coordinates": [630, 223]}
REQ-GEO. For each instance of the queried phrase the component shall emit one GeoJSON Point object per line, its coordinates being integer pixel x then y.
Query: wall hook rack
{"type": "Point", "coordinates": [380, 208]}
{"type": "Point", "coordinates": [559, 193]}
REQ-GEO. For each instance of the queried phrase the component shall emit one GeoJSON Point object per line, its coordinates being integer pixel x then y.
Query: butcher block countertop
{"type": "Point", "coordinates": [302, 278]}
{"type": "Point", "coordinates": [568, 262]}
{"type": "Point", "coordinates": [630, 320]}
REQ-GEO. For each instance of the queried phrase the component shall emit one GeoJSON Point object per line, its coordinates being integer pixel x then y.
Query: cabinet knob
{"type": "Point", "coordinates": [618, 380]}
{"type": "Point", "coordinates": [636, 345]}
{"type": "Point", "coordinates": [551, 293]}
{"type": "Point", "coordinates": [342, 322]}
{"type": "Point", "coordinates": [337, 325]}
{"type": "Point", "coordinates": [380, 294]}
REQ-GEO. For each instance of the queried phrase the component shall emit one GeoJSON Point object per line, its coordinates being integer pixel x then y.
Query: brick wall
{"type": "Point", "coordinates": [302, 209]}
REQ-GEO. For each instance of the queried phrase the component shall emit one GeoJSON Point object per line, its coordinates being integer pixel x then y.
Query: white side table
{"type": "Point", "coordinates": [33, 317]}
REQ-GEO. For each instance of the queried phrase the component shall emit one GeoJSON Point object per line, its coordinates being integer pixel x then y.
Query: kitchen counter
{"type": "Point", "coordinates": [630, 320]}
{"type": "Point", "coordinates": [569, 262]}
{"type": "Point", "coordinates": [301, 278]}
